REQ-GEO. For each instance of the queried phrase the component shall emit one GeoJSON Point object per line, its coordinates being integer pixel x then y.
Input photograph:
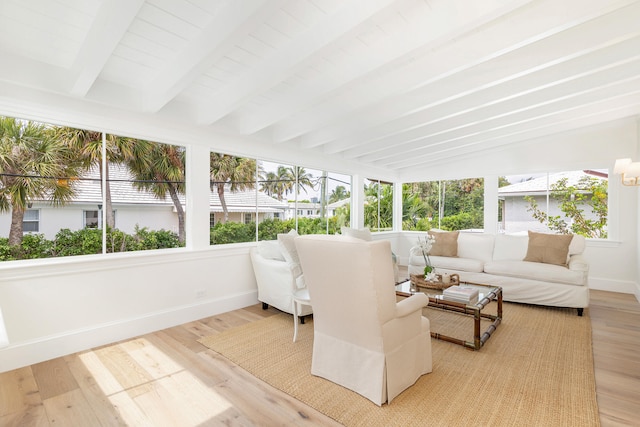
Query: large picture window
{"type": "Point", "coordinates": [570, 202]}
{"type": "Point", "coordinates": [445, 205]}
{"type": "Point", "coordinates": [277, 198]}
{"type": "Point", "coordinates": [61, 171]}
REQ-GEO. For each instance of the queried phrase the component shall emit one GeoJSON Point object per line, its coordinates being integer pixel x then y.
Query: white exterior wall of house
{"type": "Point", "coordinates": [158, 217]}
{"type": "Point", "coordinates": [55, 307]}
{"type": "Point", "coordinates": [54, 219]}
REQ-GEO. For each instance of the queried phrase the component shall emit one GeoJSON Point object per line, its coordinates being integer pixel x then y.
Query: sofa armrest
{"type": "Point", "coordinates": [578, 263]}
{"type": "Point", "coordinates": [412, 304]}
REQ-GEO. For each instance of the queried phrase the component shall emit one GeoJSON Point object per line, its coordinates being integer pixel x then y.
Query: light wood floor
{"type": "Point", "coordinates": [168, 379]}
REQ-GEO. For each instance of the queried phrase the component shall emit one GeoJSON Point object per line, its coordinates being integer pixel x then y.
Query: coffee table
{"type": "Point", "coordinates": [486, 294]}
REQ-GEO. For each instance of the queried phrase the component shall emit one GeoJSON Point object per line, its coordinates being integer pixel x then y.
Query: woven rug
{"type": "Point", "coordinates": [535, 370]}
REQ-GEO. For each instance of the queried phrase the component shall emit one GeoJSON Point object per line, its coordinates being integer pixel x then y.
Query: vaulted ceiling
{"type": "Point", "coordinates": [388, 84]}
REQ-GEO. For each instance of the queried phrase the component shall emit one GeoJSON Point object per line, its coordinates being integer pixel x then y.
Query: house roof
{"type": "Point", "coordinates": [123, 192]}
{"type": "Point", "coordinates": [540, 184]}
{"type": "Point", "coordinates": [380, 85]}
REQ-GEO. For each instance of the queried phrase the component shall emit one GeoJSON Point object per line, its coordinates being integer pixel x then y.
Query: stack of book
{"type": "Point", "coordinates": [465, 295]}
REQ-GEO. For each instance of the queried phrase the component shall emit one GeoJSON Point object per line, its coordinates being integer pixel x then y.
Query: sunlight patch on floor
{"type": "Point", "coordinates": [151, 388]}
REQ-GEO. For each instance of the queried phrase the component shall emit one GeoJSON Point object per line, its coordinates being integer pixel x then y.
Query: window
{"type": "Point", "coordinates": [92, 219]}
{"type": "Point", "coordinates": [274, 198]}
{"type": "Point", "coordinates": [446, 205]}
{"type": "Point", "coordinates": [62, 171]}
{"type": "Point", "coordinates": [212, 219]}
{"type": "Point", "coordinates": [31, 221]}
{"type": "Point", "coordinates": [562, 202]}
{"type": "Point", "coordinates": [148, 190]}
{"type": "Point", "coordinates": [234, 198]}
{"type": "Point", "coordinates": [378, 206]}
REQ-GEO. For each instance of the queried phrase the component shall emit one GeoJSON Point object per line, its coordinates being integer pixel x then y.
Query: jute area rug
{"type": "Point", "coordinates": [535, 370]}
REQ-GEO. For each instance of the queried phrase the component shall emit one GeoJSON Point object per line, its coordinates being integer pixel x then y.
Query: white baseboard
{"type": "Point", "coordinates": [21, 354]}
{"type": "Point", "coordinates": [611, 285]}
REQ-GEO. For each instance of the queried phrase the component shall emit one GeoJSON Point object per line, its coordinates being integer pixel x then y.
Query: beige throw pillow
{"type": "Point", "coordinates": [548, 248]}
{"type": "Point", "coordinates": [446, 243]}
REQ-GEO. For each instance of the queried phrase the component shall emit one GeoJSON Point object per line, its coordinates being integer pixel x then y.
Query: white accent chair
{"type": "Point", "coordinates": [276, 278]}
{"type": "Point", "coordinates": [363, 339]}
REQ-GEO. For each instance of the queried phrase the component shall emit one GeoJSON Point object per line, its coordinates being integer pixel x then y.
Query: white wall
{"type": "Point", "coordinates": [56, 307]}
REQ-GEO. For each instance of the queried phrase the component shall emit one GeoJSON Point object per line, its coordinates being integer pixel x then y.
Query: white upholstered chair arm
{"type": "Point", "coordinates": [412, 304]}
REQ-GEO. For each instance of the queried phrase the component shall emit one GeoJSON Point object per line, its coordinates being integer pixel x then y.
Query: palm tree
{"type": "Point", "coordinates": [88, 144]}
{"type": "Point", "coordinates": [239, 172]}
{"type": "Point", "coordinates": [277, 184]}
{"type": "Point", "coordinates": [33, 165]}
{"type": "Point", "coordinates": [339, 193]}
{"type": "Point", "coordinates": [269, 184]}
{"type": "Point", "coordinates": [159, 168]}
{"type": "Point", "coordinates": [300, 179]}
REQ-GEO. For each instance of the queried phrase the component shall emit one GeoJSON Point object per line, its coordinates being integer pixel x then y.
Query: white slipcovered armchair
{"type": "Point", "coordinates": [277, 278]}
{"type": "Point", "coordinates": [363, 339]}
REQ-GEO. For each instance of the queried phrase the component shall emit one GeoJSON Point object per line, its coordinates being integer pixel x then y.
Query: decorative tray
{"type": "Point", "coordinates": [419, 281]}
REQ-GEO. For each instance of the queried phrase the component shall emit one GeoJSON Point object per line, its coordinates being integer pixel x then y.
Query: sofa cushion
{"type": "Point", "coordinates": [548, 248]}
{"type": "Point", "coordinates": [446, 243]}
{"type": "Point", "coordinates": [290, 253]}
{"type": "Point", "coordinates": [535, 271]}
{"type": "Point", "coordinates": [270, 249]}
{"type": "Point", "coordinates": [358, 233]}
{"type": "Point", "coordinates": [476, 246]}
{"type": "Point", "coordinates": [510, 247]}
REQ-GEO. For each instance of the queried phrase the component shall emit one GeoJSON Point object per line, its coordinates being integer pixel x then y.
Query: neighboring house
{"type": "Point", "coordinates": [312, 209]}
{"type": "Point", "coordinates": [515, 216]}
{"type": "Point", "coordinates": [133, 207]}
{"type": "Point", "coordinates": [241, 206]}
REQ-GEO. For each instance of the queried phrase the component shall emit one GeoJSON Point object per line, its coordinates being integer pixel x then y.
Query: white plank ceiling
{"type": "Point", "coordinates": [389, 84]}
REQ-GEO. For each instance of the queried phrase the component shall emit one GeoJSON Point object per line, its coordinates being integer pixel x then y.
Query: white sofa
{"type": "Point", "coordinates": [498, 260]}
{"type": "Point", "coordinates": [276, 277]}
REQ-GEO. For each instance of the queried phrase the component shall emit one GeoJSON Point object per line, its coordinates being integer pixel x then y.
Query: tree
{"type": "Point", "coordinates": [159, 168]}
{"type": "Point", "coordinates": [300, 179]}
{"type": "Point", "coordinates": [33, 165]}
{"type": "Point", "coordinates": [238, 172]}
{"type": "Point", "coordinates": [339, 193]}
{"type": "Point", "coordinates": [378, 208]}
{"type": "Point", "coordinates": [278, 184]}
{"type": "Point", "coordinates": [413, 208]}
{"type": "Point", "coordinates": [88, 145]}
{"type": "Point", "coordinates": [588, 192]}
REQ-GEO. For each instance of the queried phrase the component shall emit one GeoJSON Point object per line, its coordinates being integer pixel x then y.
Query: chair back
{"type": "Point", "coordinates": [350, 283]}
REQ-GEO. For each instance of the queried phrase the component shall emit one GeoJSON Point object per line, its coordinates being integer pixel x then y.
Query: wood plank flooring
{"type": "Point", "coordinates": [168, 379]}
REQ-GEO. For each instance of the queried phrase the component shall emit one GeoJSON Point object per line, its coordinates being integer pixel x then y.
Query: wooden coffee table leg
{"type": "Point", "coordinates": [476, 330]}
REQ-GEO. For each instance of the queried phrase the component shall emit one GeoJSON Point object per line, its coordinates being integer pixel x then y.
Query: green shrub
{"type": "Point", "coordinates": [232, 232]}
{"type": "Point", "coordinates": [35, 246]}
{"type": "Point", "coordinates": [81, 242]}
{"type": "Point", "coordinates": [145, 239]}
{"type": "Point", "coordinates": [270, 228]}
{"type": "Point", "coordinates": [462, 221]}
